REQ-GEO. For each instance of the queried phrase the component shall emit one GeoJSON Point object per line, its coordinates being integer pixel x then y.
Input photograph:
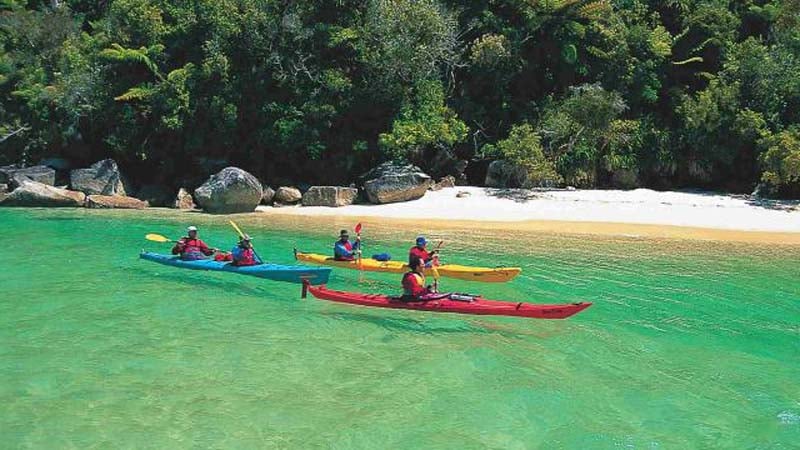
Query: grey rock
{"type": "Point", "coordinates": [333, 196]}
{"type": "Point", "coordinates": [32, 193]}
{"type": "Point", "coordinates": [287, 195]}
{"type": "Point", "coordinates": [462, 194]}
{"type": "Point", "coordinates": [231, 190]}
{"type": "Point", "coordinates": [394, 182]}
{"type": "Point", "coordinates": [268, 196]}
{"type": "Point", "coordinates": [7, 171]}
{"type": "Point", "coordinates": [114, 202]}
{"type": "Point", "coordinates": [3, 188]}
{"type": "Point", "coordinates": [184, 200]}
{"type": "Point", "coordinates": [446, 182]}
{"type": "Point", "coordinates": [14, 175]}
{"type": "Point", "coordinates": [101, 178]}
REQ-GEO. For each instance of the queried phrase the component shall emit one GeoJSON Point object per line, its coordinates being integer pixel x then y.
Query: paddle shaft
{"type": "Point", "coordinates": [241, 235]}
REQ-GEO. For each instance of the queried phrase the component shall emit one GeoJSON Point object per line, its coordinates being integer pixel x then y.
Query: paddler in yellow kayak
{"type": "Point", "coordinates": [343, 249]}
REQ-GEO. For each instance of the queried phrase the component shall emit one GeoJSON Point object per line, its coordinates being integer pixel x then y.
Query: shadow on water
{"type": "Point", "coordinates": [424, 326]}
{"type": "Point", "coordinates": [199, 279]}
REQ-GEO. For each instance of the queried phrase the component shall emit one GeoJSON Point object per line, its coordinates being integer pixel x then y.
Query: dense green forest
{"type": "Point", "coordinates": [663, 94]}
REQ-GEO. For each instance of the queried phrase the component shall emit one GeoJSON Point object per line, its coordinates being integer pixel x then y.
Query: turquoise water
{"type": "Point", "coordinates": [689, 344]}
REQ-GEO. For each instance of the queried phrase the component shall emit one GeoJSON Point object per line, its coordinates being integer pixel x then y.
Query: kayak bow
{"type": "Point", "coordinates": [451, 303]}
{"type": "Point", "coordinates": [485, 274]}
{"type": "Point", "coordinates": [276, 272]}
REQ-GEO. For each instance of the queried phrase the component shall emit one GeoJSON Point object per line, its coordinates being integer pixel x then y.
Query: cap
{"type": "Point", "coordinates": [246, 237]}
{"type": "Point", "coordinates": [421, 240]}
{"type": "Point", "coordinates": [344, 233]}
{"type": "Point", "coordinates": [192, 228]}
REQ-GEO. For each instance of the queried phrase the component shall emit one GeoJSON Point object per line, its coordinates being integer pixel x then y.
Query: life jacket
{"type": "Point", "coordinates": [413, 284]}
{"type": "Point", "coordinates": [418, 253]}
{"type": "Point", "coordinates": [348, 246]}
{"type": "Point", "coordinates": [243, 256]}
{"type": "Point", "coordinates": [192, 249]}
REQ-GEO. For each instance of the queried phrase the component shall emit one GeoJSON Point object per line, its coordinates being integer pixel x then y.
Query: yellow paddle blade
{"type": "Point", "coordinates": [236, 227]}
{"type": "Point", "coordinates": [157, 238]}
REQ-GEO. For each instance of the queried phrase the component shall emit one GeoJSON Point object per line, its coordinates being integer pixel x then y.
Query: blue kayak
{"type": "Point", "coordinates": [277, 272]}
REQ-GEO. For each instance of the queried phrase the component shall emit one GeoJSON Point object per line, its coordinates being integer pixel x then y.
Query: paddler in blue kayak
{"type": "Point", "coordinates": [343, 249]}
{"type": "Point", "coordinates": [243, 254]}
{"type": "Point", "coordinates": [191, 248]}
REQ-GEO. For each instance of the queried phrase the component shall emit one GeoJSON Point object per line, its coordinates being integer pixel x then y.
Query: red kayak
{"type": "Point", "coordinates": [452, 303]}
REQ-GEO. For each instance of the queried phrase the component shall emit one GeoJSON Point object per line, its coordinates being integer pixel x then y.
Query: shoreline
{"type": "Point", "coordinates": [639, 213]}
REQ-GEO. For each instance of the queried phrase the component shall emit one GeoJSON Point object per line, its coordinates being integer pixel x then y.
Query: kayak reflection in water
{"type": "Point", "coordinates": [191, 248]}
{"type": "Point", "coordinates": [414, 288]}
{"type": "Point", "coordinates": [243, 254]}
{"type": "Point", "coordinates": [343, 249]}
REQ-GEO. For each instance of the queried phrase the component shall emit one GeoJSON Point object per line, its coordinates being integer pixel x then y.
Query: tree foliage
{"type": "Point", "coordinates": [677, 93]}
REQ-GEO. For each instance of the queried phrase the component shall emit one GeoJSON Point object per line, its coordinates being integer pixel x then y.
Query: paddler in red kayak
{"type": "Point", "coordinates": [420, 251]}
{"type": "Point", "coordinates": [191, 248]}
{"type": "Point", "coordinates": [243, 254]}
{"type": "Point", "coordinates": [414, 282]}
{"type": "Point", "coordinates": [343, 249]}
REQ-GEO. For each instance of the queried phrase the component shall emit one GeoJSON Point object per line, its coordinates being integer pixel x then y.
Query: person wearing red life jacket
{"type": "Point", "coordinates": [343, 249]}
{"type": "Point", "coordinates": [414, 287]}
{"type": "Point", "coordinates": [243, 254]}
{"type": "Point", "coordinates": [420, 251]}
{"type": "Point", "coordinates": [191, 248]}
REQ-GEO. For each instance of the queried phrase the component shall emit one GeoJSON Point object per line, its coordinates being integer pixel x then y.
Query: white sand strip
{"type": "Point", "coordinates": [640, 206]}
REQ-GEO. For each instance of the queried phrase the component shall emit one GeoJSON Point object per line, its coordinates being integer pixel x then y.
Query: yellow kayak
{"type": "Point", "coordinates": [485, 274]}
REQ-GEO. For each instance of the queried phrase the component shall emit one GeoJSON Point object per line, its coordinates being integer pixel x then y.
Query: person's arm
{"type": "Point", "coordinates": [178, 248]}
{"type": "Point", "coordinates": [204, 248]}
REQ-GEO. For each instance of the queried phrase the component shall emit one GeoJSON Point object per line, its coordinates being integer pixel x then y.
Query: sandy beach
{"type": "Point", "coordinates": [640, 212]}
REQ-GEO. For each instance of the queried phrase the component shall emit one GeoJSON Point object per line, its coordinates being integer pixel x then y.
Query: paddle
{"type": "Point", "coordinates": [357, 229]}
{"type": "Point", "coordinates": [241, 235]}
{"type": "Point", "coordinates": [158, 238]}
{"type": "Point", "coordinates": [434, 263]}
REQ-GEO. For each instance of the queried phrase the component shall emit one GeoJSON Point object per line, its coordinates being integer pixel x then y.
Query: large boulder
{"type": "Point", "coordinates": [393, 182]}
{"type": "Point", "coordinates": [184, 200]}
{"type": "Point", "coordinates": [114, 202]}
{"type": "Point", "coordinates": [101, 178]}
{"type": "Point", "coordinates": [32, 193]}
{"type": "Point", "coordinates": [231, 190]}
{"type": "Point", "coordinates": [268, 196]}
{"type": "Point", "coordinates": [287, 195]}
{"type": "Point", "coordinates": [15, 175]}
{"type": "Point", "coordinates": [333, 196]}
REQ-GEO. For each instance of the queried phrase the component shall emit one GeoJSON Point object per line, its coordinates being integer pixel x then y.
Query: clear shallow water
{"type": "Point", "coordinates": [689, 344]}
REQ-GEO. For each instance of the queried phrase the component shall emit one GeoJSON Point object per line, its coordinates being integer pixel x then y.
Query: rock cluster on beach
{"type": "Point", "coordinates": [231, 190]}
{"type": "Point", "coordinates": [333, 196]}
